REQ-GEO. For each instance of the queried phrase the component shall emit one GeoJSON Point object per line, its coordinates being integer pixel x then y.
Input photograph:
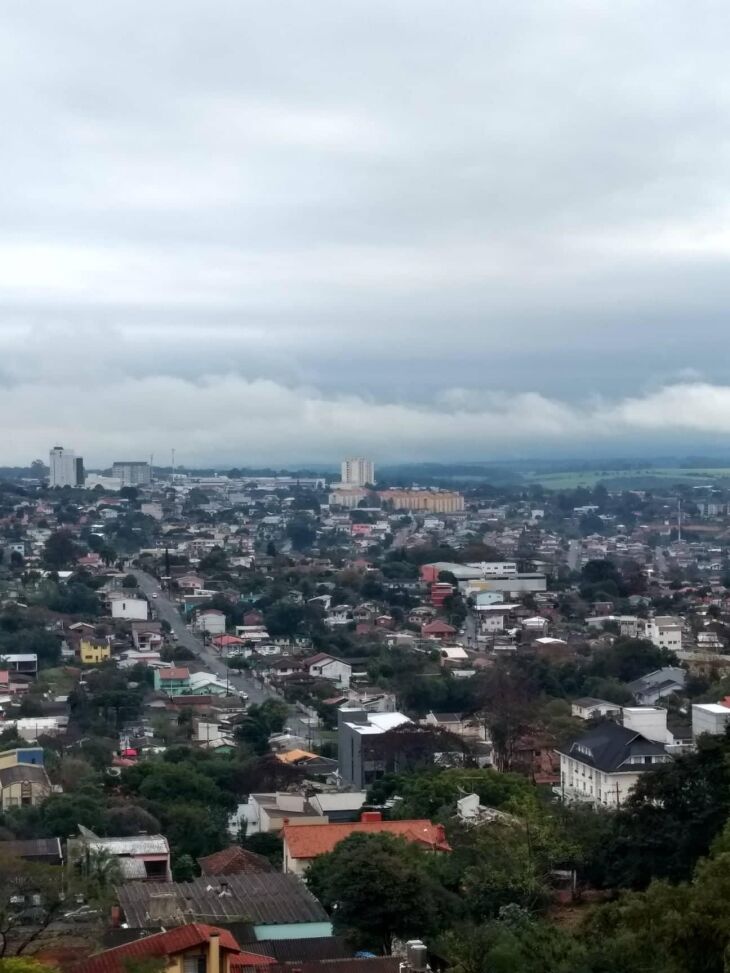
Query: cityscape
{"type": "Point", "coordinates": [364, 487]}
{"type": "Point", "coordinates": [254, 694]}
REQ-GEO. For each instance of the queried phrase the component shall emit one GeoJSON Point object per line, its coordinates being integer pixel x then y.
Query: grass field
{"type": "Point", "coordinates": [629, 479]}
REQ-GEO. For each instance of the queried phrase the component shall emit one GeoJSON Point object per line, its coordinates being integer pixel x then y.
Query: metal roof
{"type": "Point", "coordinates": [262, 899]}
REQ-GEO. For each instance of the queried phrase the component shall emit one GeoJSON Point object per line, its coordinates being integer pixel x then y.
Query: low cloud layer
{"type": "Point", "coordinates": [228, 420]}
{"type": "Point", "coordinates": [356, 214]}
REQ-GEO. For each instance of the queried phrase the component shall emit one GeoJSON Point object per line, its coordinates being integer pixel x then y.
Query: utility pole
{"type": "Point", "coordinates": [172, 474]}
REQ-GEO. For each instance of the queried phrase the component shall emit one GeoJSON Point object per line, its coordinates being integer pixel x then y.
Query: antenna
{"type": "Point", "coordinates": [172, 474]}
{"type": "Point", "coordinates": [152, 466]}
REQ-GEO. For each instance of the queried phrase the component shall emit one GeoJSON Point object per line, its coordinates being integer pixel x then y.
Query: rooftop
{"type": "Point", "coordinates": [310, 840]}
{"type": "Point", "coordinates": [162, 944]}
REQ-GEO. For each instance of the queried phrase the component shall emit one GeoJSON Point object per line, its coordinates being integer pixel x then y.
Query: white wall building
{"type": "Point", "coordinates": [130, 608]}
{"type": "Point", "coordinates": [604, 765]}
{"type": "Point", "coordinates": [66, 469]}
{"type": "Point", "coordinates": [709, 718]}
{"type": "Point", "coordinates": [358, 472]}
{"type": "Point", "coordinates": [132, 473]}
{"type": "Point", "coordinates": [210, 620]}
{"type": "Point", "coordinates": [665, 631]}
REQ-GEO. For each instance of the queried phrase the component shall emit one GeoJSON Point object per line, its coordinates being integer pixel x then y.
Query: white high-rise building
{"type": "Point", "coordinates": [66, 469]}
{"type": "Point", "coordinates": [133, 473]}
{"type": "Point", "coordinates": [357, 472]}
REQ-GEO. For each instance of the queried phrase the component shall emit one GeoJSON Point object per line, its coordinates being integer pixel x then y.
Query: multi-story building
{"type": "Point", "coordinates": [94, 651]}
{"type": "Point", "coordinates": [665, 632]}
{"type": "Point", "coordinates": [132, 473]}
{"type": "Point", "coordinates": [360, 760]}
{"type": "Point", "coordinates": [604, 765]}
{"type": "Point", "coordinates": [432, 501]}
{"type": "Point", "coordinates": [23, 779]}
{"type": "Point", "coordinates": [358, 472]}
{"type": "Point", "coordinates": [66, 469]}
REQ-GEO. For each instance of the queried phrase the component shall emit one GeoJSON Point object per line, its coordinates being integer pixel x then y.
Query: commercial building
{"type": "Point", "coordinates": [710, 718]}
{"type": "Point", "coordinates": [66, 469]}
{"type": "Point", "coordinates": [132, 473]}
{"type": "Point", "coordinates": [431, 501]}
{"type": "Point", "coordinates": [665, 632]}
{"type": "Point", "coordinates": [23, 779]}
{"type": "Point", "coordinates": [358, 472]}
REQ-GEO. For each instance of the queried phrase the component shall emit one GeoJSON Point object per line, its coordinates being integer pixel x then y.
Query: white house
{"type": "Point", "coordinates": [665, 631]}
{"type": "Point", "coordinates": [323, 666]}
{"type": "Point", "coordinates": [210, 620]}
{"type": "Point", "coordinates": [603, 766]}
{"type": "Point", "coordinates": [129, 608]}
{"type": "Point", "coordinates": [709, 718]}
{"type": "Point", "coordinates": [590, 708]}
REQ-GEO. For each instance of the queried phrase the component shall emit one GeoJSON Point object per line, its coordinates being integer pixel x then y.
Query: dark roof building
{"type": "Point", "coordinates": [602, 766]}
{"type": "Point", "coordinates": [234, 861]}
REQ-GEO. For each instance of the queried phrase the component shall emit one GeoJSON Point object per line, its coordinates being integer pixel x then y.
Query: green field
{"type": "Point", "coordinates": [629, 479]}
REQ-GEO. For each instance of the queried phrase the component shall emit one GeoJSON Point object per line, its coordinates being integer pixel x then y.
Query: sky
{"type": "Point", "coordinates": [283, 232]}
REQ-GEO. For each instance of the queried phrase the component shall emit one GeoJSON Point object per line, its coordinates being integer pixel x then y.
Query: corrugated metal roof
{"type": "Point", "coordinates": [302, 950]}
{"type": "Point", "coordinates": [262, 899]}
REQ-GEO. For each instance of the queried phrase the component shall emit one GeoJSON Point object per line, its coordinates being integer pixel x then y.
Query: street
{"type": "Point", "coordinates": [167, 610]}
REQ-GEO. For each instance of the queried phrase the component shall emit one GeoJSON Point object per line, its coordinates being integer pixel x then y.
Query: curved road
{"type": "Point", "coordinates": [210, 661]}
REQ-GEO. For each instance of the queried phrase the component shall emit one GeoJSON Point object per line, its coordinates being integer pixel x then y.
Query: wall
{"type": "Point", "coordinates": [293, 930]}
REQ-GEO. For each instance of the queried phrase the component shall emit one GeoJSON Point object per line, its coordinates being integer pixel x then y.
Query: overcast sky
{"type": "Point", "coordinates": [282, 231]}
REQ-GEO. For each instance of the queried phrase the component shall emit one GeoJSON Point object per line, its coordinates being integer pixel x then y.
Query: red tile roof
{"type": "Point", "coordinates": [233, 861]}
{"type": "Point", "coordinates": [162, 944]}
{"type": "Point", "coordinates": [437, 627]}
{"type": "Point", "coordinates": [251, 959]}
{"type": "Point", "coordinates": [177, 672]}
{"type": "Point", "coordinates": [310, 840]}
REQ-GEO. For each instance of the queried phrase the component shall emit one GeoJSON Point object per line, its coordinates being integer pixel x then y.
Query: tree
{"type": "Point", "coordinates": [377, 888]}
{"type": "Point", "coordinates": [59, 551]}
{"type": "Point", "coordinates": [260, 722]}
{"type": "Point", "coordinates": [31, 897]}
{"type": "Point", "coordinates": [301, 533]}
{"type": "Point", "coordinates": [129, 581]}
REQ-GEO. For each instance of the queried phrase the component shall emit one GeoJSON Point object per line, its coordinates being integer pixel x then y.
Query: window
{"type": "Point", "coordinates": [194, 964]}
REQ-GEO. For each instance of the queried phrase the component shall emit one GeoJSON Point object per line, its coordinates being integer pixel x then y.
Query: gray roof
{"type": "Point", "coordinates": [32, 848]}
{"type": "Point", "coordinates": [608, 747]}
{"type": "Point", "coordinates": [592, 701]}
{"type": "Point", "coordinates": [155, 844]}
{"type": "Point", "coordinates": [660, 678]}
{"type": "Point", "coordinates": [21, 772]}
{"type": "Point", "coordinates": [266, 898]}
{"type": "Point", "coordinates": [301, 950]}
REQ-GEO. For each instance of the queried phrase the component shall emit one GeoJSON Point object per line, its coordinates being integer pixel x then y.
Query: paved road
{"type": "Point", "coordinates": [210, 660]}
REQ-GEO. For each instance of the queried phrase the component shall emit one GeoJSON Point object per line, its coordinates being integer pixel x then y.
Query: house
{"type": "Point", "coordinates": [44, 851]}
{"type": "Point", "coordinates": [266, 813]}
{"type": "Point", "coordinates": [454, 656]}
{"type": "Point", "coordinates": [323, 666]}
{"type": "Point", "coordinates": [654, 686]}
{"type": "Point", "coordinates": [210, 620]}
{"type": "Point", "coordinates": [126, 606]}
{"type": "Point", "coordinates": [603, 766]}
{"type": "Point", "coordinates": [457, 724]}
{"type": "Point", "coordinates": [143, 657]}
{"type": "Point", "coordinates": [233, 861]}
{"type": "Point", "coordinates": [207, 684]}
{"type": "Point", "coordinates": [358, 734]}
{"type": "Point", "coordinates": [228, 644]}
{"type": "Point", "coordinates": [174, 681]}
{"type": "Point", "coordinates": [710, 718]}
{"type": "Point", "coordinates": [438, 629]}
{"type": "Point", "coordinates": [589, 708]}
{"type": "Point", "coordinates": [21, 662]}
{"type": "Point", "coordinates": [275, 906]}
{"type": "Point", "coordinates": [145, 857]}
{"type": "Point", "coordinates": [253, 618]}
{"type": "Point", "coordinates": [147, 635]}
{"type": "Point", "coordinates": [305, 842]}
{"type": "Point", "coordinates": [665, 631]}
{"type": "Point", "coordinates": [94, 651]}
{"type": "Point", "coordinates": [23, 779]}
{"type": "Point", "coordinates": [192, 948]}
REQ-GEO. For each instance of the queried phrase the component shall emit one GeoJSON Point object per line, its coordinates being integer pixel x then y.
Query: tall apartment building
{"type": "Point", "coordinates": [134, 473]}
{"type": "Point", "coordinates": [357, 472]}
{"type": "Point", "coordinates": [66, 469]}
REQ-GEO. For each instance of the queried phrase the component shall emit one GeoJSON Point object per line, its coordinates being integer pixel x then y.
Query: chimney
{"type": "Point", "coordinates": [214, 953]}
{"type": "Point", "coordinates": [371, 816]}
{"type": "Point", "coordinates": [116, 916]}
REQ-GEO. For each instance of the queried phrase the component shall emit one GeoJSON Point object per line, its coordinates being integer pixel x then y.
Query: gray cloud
{"type": "Point", "coordinates": [345, 211]}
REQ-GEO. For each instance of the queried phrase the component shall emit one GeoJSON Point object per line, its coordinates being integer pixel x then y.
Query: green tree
{"type": "Point", "coordinates": [377, 888]}
{"type": "Point", "coordinates": [59, 551]}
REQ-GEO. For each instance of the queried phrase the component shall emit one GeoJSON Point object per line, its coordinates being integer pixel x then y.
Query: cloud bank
{"type": "Point", "coordinates": [222, 420]}
{"type": "Point", "coordinates": [287, 231]}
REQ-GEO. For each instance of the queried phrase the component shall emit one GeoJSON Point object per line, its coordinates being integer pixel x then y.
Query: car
{"type": "Point", "coordinates": [154, 594]}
